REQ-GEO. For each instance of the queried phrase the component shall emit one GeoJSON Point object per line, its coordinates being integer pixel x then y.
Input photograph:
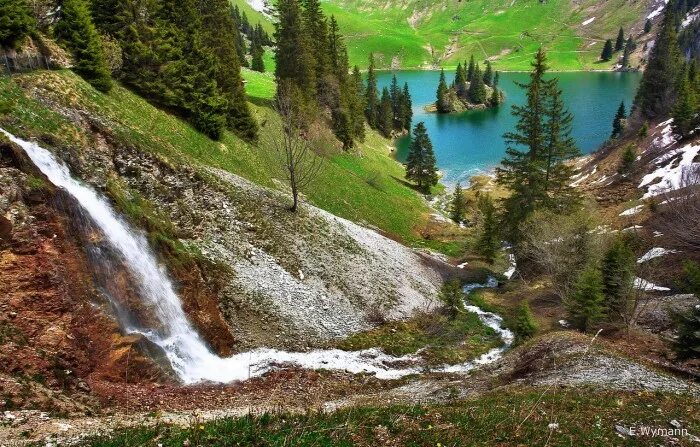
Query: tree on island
{"type": "Point", "coordinates": [420, 163]}
{"type": "Point", "coordinates": [535, 167]}
{"type": "Point", "coordinates": [620, 41]}
{"type": "Point", "coordinates": [443, 104]}
{"type": "Point", "coordinates": [488, 74]}
{"type": "Point", "coordinates": [470, 70]}
{"type": "Point", "coordinates": [607, 53]}
{"type": "Point", "coordinates": [618, 121]}
{"type": "Point", "coordinates": [477, 89]}
{"type": "Point", "coordinates": [460, 80]}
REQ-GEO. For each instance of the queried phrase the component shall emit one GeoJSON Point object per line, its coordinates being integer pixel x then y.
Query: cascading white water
{"type": "Point", "coordinates": [189, 355]}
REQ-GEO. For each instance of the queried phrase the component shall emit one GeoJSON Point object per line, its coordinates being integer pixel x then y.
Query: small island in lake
{"type": "Point", "coordinates": [471, 89]}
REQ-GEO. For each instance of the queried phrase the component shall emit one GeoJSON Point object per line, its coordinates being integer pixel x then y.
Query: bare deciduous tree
{"type": "Point", "coordinates": [681, 211]}
{"type": "Point", "coordinates": [293, 151]}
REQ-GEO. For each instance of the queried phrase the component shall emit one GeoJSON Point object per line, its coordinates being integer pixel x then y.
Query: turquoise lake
{"type": "Point", "coordinates": [471, 142]}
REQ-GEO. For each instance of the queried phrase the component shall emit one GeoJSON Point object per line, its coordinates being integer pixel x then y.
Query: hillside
{"type": "Point", "coordinates": [408, 34]}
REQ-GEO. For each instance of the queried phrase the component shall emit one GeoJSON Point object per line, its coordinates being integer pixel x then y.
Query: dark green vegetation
{"type": "Point", "coordinates": [470, 88]}
{"type": "Point", "coordinates": [535, 168]}
{"type": "Point", "coordinates": [688, 343]}
{"type": "Point", "coordinates": [513, 417]}
{"type": "Point", "coordinates": [16, 22]}
{"type": "Point", "coordinates": [78, 33]}
{"type": "Point", "coordinates": [182, 56]}
{"type": "Point", "coordinates": [421, 164]}
{"type": "Point", "coordinates": [392, 112]}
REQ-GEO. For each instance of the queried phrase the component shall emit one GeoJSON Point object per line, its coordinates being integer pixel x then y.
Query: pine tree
{"type": "Point", "coordinates": [607, 53]}
{"type": "Point", "coordinates": [586, 303]}
{"type": "Point", "coordinates": [488, 74]}
{"type": "Point", "coordinates": [457, 205]}
{"type": "Point", "coordinates": [685, 110]}
{"type": "Point", "coordinates": [629, 156]}
{"type": "Point", "coordinates": [657, 90]}
{"type": "Point", "coordinates": [620, 41]}
{"type": "Point", "coordinates": [495, 97]}
{"type": "Point", "coordinates": [477, 89]}
{"type": "Point", "coordinates": [218, 53]}
{"type": "Point", "coordinates": [257, 63]}
{"type": "Point", "coordinates": [452, 296]}
{"type": "Point", "coordinates": [496, 79]}
{"type": "Point", "coordinates": [77, 31]}
{"type": "Point", "coordinates": [687, 345]}
{"type": "Point", "coordinates": [618, 274]}
{"type": "Point", "coordinates": [316, 30]}
{"type": "Point", "coordinates": [371, 95]}
{"type": "Point", "coordinates": [470, 70]}
{"type": "Point", "coordinates": [385, 115]}
{"type": "Point", "coordinates": [525, 324]}
{"type": "Point", "coordinates": [460, 80]}
{"type": "Point", "coordinates": [647, 26]}
{"type": "Point", "coordinates": [357, 104]}
{"type": "Point", "coordinates": [406, 108]}
{"type": "Point", "coordinates": [16, 22]}
{"type": "Point", "coordinates": [626, 54]}
{"type": "Point", "coordinates": [443, 104]}
{"type": "Point", "coordinates": [488, 243]}
{"type": "Point", "coordinates": [420, 163]}
{"type": "Point", "coordinates": [521, 169]}
{"type": "Point", "coordinates": [337, 51]}
{"type": "Point", "coordinates": [559, 148]}
{"type": "Point", "coordinates": [396, 93]}
{"type": "Point", "coordinates": [618, 121]}
{"type": "Point", "coordinates": [293, 58]}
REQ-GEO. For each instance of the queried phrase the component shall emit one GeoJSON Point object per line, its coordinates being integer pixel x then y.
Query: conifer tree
{"type": "Point", "coordinates": [586, 304]}
{"type": "Point", "coordinates": [16, 22]}
{"type": "Point", "coordinates": [620, 41]}
{"type": "Point", "coordinates": [618, 121]}
{"type": "Point", "coordinates": [495, 97]}
{"type": "Point", "coordinates": [470, 70]}
{"type": "Point", "coordinates": [460, 80]}
{"type": "Point", "coordinates": [629, 156]}
{"type": "Point", "coordinates": [338, 53]}
{"type": "Point", "coordinates": [477, 89]}
{"type": "Point", "coordinates": [396, 93]}
{"type": "Point", "coordinates": [488, 74]}
{"type": "Point", "coordinates": [618, 275]}
{"type": "Point", "coordinates": [443, 104]}
{"type": "Point", "coordinates": [457, 204]}
{"type": "Point", "coordinates": [657, 90]}
{"type": "Point", "coordinates": [607, 53]}
{"type": "Point", "coordinates": [452, 296]}
{"type": "Point", "coordinates": [496, 79]}
{"type": "Point", "coordinates": [371, 95]}
{"type": "Point", "coordinates": [316, 30]}
{"type": "Point", "coordinates": [406, 108]}
{"type": "Point", "coordinates": [76, 29]}
{"type": "Point", "coordinates": [626, 54]}
{"type": "Point", "coordinates": [488, 242]}
{"type": "Point", "coordinates": [357, 104]}
{"type": "Point", "coordinates": [293, 58]}
{"type": "Point", "coordinates": [687, 345]}
{"type": "Point", "coordinates": [257, 63]}
{"type": "Point", "coordinates": [385, 122]}
{"type": "Point", "coordinates": [218, 53]}
{"type": "Point", "coordinates": [525, 324]}
{"type": "Point", "coordinates": [420, 163]}
{"type": "Point", "coordinates": [685, 110]}
{"type": "Point", "coordinates": [647, 26]}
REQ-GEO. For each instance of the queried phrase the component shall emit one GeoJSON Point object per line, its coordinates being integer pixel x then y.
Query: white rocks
{"type": "Point", "coordinates": [632, 211]}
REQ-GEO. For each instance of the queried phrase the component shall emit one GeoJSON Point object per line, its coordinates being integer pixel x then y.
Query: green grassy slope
{"type": "Point", "coordinates": [364, 186]}
{"type": "Point", "coordinates": [502, 418]}
{"type": "Point", "coordinates": [420, 33]}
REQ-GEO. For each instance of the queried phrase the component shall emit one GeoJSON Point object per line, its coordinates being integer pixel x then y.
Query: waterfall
{"type": "Point", "coordinates": [187, 352]}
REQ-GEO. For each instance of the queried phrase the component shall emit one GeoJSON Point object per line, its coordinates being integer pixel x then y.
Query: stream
{"type": "Point", "coordinates": [170, 329]}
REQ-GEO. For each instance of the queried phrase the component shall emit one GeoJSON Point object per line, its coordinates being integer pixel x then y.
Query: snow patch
{"type": "Point", "coordinates": [659, 9]}
{"type": "Point", "coordinates": [655, 252]}
{"type": "Point", "coordinates": [668, 174]}
{"type": "Point", "coordinates": [643, 284]}
{"type": "Point", "coordinates": [632, 211]}
{"type": "Point", "coordinates": [588, 22]}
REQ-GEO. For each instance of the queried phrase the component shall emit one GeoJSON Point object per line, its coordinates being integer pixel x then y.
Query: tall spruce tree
{"type": "Point", "coordinates": [16, 22]}
{"type": "Point", "coordinates": [618, 121]}
{"type": "Point", "coordinates": [470, 70]}
{"type": "Point", "coordinates": [687, 345]}
{"type": "Point", "coordinates": [357, 104]}
{"type": "Point", "coordinates": [607, 52]}
{"type": "Point", "coordinates": [371, 95]}
{"type": "Point", "coordinates": [218, 40]}
{"type": "Point", "coordinates": [385, 121]}
{"type": "Point", "coordinates": [488, 242]}
{"type": "Point", "coordinates": [488, 74]}
{"type": "Point", "coordinates": [76, 29]}
{"type": "Point", "coordinates": [406, 108]}
{"type": "Point", "coordinates": [443, 103]}
{"type": "Point", "coordinates": [686, 108]}
{"type": "Point", "coordinates": [460, 80]}
{"type": "Point", "coordinates": [396, 93]}
{"type": "Point", "coordinates": [618, 275]}
{"type": "Point", "coordinates": [421, 164]}
{"type": "Point", "coordinates": [626, 54]}
{"type": "Point", "coordinates": [257, 63]}
{"type": "Point", "coordinates": [316, 31]}
{"type": "Point", "coordinates": [457, 204]}
{"type": "Point", "coordinates": [294, 62]}
{"type": "Point", "coordinates": [477, 89]}
{"type": "Point", "coordinates": [620, 41]}
{"type": "Point", "coordinates": [657, 90]}
{"type": "Point", "coordinates": [586, 305]}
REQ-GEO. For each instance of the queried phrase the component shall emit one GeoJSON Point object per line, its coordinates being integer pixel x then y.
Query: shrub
{"type": "Point", "coordinates": [525, 324]}
{"type": "Point", "coordinates": [16, 22]}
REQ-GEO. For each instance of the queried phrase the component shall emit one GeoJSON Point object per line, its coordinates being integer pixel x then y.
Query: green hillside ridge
{"type": "Point", "coordinates": [418, 34]}
{"type": "Point", "coordinates": [364, 186]}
